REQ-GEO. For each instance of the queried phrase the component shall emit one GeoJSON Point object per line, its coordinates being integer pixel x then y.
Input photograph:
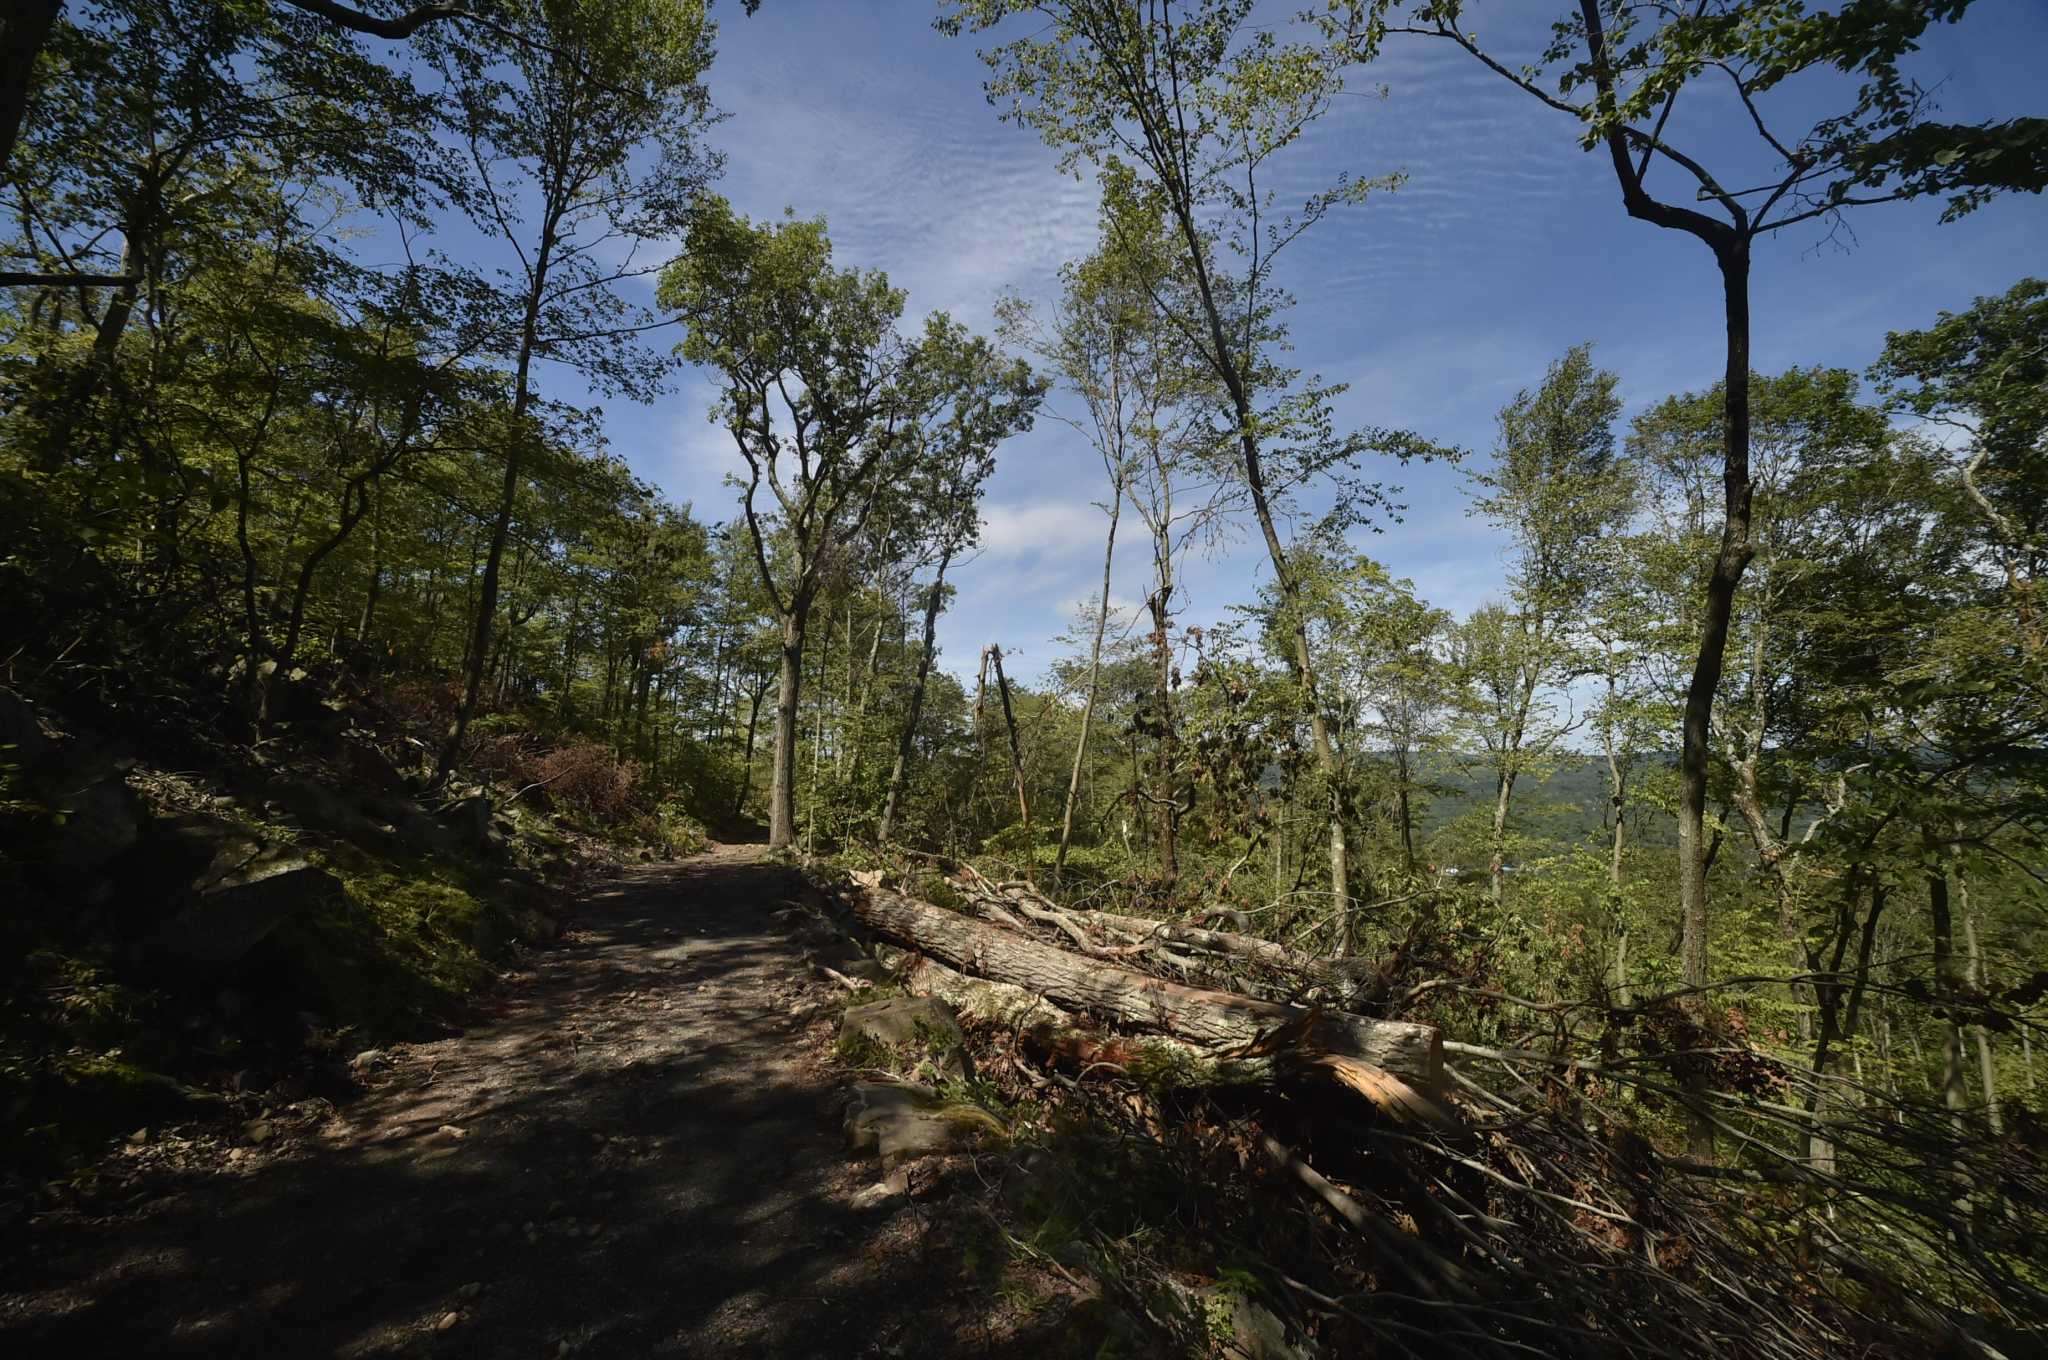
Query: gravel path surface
{"type": "Point", "coordinates": [635, 1150]}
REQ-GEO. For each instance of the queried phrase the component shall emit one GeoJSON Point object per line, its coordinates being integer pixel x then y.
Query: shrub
{"type": "Point", "coordinates": [505, 754]}
{"type": "Point", "coordinates": [587, 776]}
{"type": "Point", "coordinates": [423, 705]}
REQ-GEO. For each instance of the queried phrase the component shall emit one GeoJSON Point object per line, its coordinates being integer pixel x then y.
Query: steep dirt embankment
{"type": "Point", "coordinates": [636, 1151]}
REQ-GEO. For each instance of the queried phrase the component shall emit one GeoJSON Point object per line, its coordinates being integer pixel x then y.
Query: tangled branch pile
{"type": "Point", "coordinates": [1453, 1199]}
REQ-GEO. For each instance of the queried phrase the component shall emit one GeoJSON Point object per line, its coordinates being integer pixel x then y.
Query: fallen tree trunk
{"type": "Point", "coordinates": [1410, 1052]}
{"type": "Point", "coordinates": [999, 1002]}
{"type": "Point", "coordinates": [1050, 1034]}
{"type": "Point", "coordinates": [1268, 952]}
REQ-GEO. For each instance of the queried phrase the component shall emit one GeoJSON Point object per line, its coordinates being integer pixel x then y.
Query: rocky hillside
{"type": "Point", "coordinates": [193, 925]}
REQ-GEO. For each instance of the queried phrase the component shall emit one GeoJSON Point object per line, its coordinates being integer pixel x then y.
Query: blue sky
{"type": "Point", "coordinates": [1436, 303]}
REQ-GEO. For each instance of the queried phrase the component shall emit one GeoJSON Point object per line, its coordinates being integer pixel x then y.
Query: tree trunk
{"type": "Point", "coordinates": [907, 738]}
{"type": "Point", "coordinates": [823, 706]}
{"type": "Point", "coordinates": [508, 500]}
{"type": "Point", "coordinates": [857, 731]}
{"type": "Point", "coordinates": [376, 586]}
{"type": "Point", "coordinates": [789, 685]}
{"type": "Point", "coordinates": [22, 35]}
{"type": "Point", "coordinates": [57, 442]}
{"type": "Point", "coordinates": [1059, 863]}
{"type": "Point", "coordinates": [1404, 775]}
{"type": "Point", "coordinates": [1696, 724]}
{"type": "Point", "coordinates": [1270, 953]}
{"type": "Point", "coordinates": [1016, 761]}
{"type": "Point", "coordinates": [747, 760]}
{"type": "Point", "coordinates": [1942, 921]}
{"type": "Point", "coordinates": [564, 705]}
{"type": "Point", "coordinates": [1496, 868]}
{"type": "Point", "coordinates": [1986, 1072]}
{"type": "Point", "coordinates": [1222, 358]}
{"type": "Point", "coordinates": [1413, 1053]}
{"type": "Point", "coordinates": [1771, 850]}
{"type": "Point", "coordinates": [1617, 805]}
{"type": "Point", "coordinates": [1162, 795]}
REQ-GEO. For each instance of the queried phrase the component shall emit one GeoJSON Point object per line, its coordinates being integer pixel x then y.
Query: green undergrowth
{"type": "Point", "coordinates": [78, 1051]}
{"type": "Point", "coordinates": [402, 943]}
{"type": "Point", "coordinates": [94, 1042]}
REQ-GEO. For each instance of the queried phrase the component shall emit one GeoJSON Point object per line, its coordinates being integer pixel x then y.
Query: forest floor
{"type": "Point", "coordinates": [634, 1149]}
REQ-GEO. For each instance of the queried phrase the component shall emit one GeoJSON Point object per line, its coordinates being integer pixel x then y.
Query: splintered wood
{"type": "Point", "coordinates": [1396, 1063]}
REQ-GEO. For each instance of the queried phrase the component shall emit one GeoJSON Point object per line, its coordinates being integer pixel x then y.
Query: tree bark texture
{"type": "Point", "coordinates": [1411, 1052]}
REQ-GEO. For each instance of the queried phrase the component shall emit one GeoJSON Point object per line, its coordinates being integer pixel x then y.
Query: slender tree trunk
{"type": "Point", "coordinates": [647, 668]}
{"type": "Point", "coordinates": [823, 708]}
{"type": "Point", "coordinates": [1404, 776]}
{"type": "Point", "coordinates": [789, 687]}
{"type": "Point", "coordinates": [1942, 919]}
{"type": "Point", "coordinates": [1696, 724]}
{"type": "Point", "coordinates": [255, 695]}
{"type": "Point", "coordinates": [1840, 1014]}
{"type": "Point", "coordinates": [101, 366]}
{"type": "Point", "coordinates": [1223, 358]}
{"type": "Point", "coordinates": [1617, 807]}
{"type": "Point", "coordinates": [906, 739]}
{"type": "Point", "coordinates": [747, 759]}
{"type": "Point", "coordinates": [857, 729]}
{"type": "Point", "coordinates": [255, 645]}
{"type": "Point", "coordinates": [508, 499]}
{"type": "Point", "coordinates": [1496, 869]}
{"type": "Point", "coordinates": [1920, 1063]}
{"type": "Point", "coordinates": [1772, 852]}
{"type": "Point", "coordinates": [368, 616]}
{"type": "Point", "coordinates": [563, 707]}
{"type": "Point", "coordinates": [1016, 762]}
{"type": "Point", "coordinates": [1059, 863]}
{"type": "Point", "coordinates": [1163, 801]}
{"type": "Point", "coordinates": [1987, 1073]}
{"type": "Point", "coordinates": [355, 504]}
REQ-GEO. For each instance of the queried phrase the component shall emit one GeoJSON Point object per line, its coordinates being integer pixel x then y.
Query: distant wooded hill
{"type": "Point", "coordinates": [1567, 806]}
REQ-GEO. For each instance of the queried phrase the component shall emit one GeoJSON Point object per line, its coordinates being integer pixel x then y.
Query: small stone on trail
{"type": "Point", "coordinates": [882, 1191]}
{"type": "Point", "coordinates": [447, 1322]}
{"type": "Point", "coordinates": [139, 1136]}
{"type": "Point", "coordinates": [451, 1131]}
{"type": "Point", "coordinates": [258, 1130]}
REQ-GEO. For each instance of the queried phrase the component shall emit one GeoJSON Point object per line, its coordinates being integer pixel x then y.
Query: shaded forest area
{"type": "Point", "coordinates": [339, 646]}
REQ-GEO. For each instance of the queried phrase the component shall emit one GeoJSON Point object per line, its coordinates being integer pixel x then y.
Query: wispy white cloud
{"type": "Point", "coordinates": [1054, 528]}
{"type": "Point", "coordinates": [1435, 302]}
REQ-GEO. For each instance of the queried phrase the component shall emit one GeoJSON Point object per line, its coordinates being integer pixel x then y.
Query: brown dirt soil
{"type": "Point", "coordinates": [635, 1151]}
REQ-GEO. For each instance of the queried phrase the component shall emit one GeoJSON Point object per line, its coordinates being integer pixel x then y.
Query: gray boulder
{"type": "Point", "coordinates": [245, 891]}
{"type": "Point", "coordinates": [903, 1121]}
{"type": "Point", "coordinates": [1257, 1333]}
{"type": "Point", "coordinates": [904, 1020]}
{"type": "Point", "coordinates": [468, 819]}
{"type": "Point", "coordinates": [922, 1026]}
{"type": "Point", "coordinates": [188, 854]}
{"type": "Point", "coordinates": [414, 825]}
{"type": "Point", "coordinates": [317, 804]}
{"type": "Point", "coordinates": [370, 767]}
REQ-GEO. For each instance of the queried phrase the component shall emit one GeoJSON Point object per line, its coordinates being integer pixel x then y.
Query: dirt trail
{"type": "Point", "coordinates": [635, 1152]}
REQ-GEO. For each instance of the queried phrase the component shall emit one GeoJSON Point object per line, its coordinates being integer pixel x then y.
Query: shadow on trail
{"type": "Point", "coordinates": [632, 1157]}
